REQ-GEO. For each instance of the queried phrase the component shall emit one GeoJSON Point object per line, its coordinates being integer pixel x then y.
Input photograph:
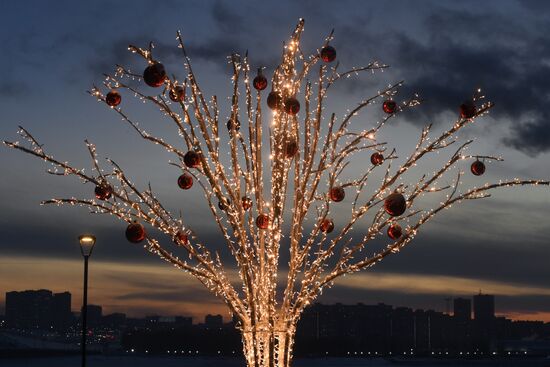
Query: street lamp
{"type": "Point", "coordinates": [87, 242]}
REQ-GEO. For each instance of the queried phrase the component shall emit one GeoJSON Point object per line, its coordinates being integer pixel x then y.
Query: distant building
{"type": "Point", "coordinates": [115, 320]}
{"type": "Point", "coordinates": [61, 311]}
{"type": "Point", "coordinates": [484, 322]}
{"type": "Point", "coordinates": [28, 309]}
{"type": "Point", "coordinates": [462, 315]}
{"type": "Point", "coordinates": [484, 307]}
{"type": "Point", "coordinates": [213, 321]}
{"type": "Point", "coordinates": [462, 309]}
{"type": "Point", "coordinates": [183, 321]}
{"type": "Point", "coordinates": [94, 316]}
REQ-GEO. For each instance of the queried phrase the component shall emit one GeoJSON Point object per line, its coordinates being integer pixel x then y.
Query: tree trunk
{"type": "Point", "coordinates": [268, 344]}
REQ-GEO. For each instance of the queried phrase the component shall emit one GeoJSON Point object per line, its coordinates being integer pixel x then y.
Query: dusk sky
{"type": "Point", "coordinates": [53, 52]}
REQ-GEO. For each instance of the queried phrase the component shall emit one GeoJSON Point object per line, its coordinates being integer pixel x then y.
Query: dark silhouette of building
{"type": "Point", "coordinates": [95, 315]}
{"type": "Point", "coordinates": [61, 312]}
{"type": "Point", "coordinates": [29, 309]}
{"type": "Point", "coordinates": [484, 322]}
{"type": "Point", "coordinates": [115, 320]}
{"type": "Point", "coordinates": [462, 315]}
{"type": "Point", "coordinates": [183, 321]}
{"type": "Point", "coordinates": [484, 307]}
{"type": "Point", "coordinates": [462, 309]}
{"type": "Point", "coordinates": [213, 321]}
{"type": "Point", "coordinates": [38, 309]}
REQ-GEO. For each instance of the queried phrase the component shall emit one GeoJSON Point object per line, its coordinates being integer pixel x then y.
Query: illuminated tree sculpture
{"type": "Point", "coordinates": [304, 177]}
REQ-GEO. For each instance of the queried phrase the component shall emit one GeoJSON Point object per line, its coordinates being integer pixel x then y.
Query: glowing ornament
{"type": "Point", "coordinates": [377, 158]}
{"type": "Point", "coordinates": [192, 159]}
{"type": "Point", "coordinates": [185, 181]}
{"type": "Point", "coordinates": [389, 106]}
{"type": "Point", "coordinates": [262, 221]}
{"type": "Point", "coordinates": [292, 106]}
{"type": "Point", "coordinates": [477, 168]}
{"type": "Point", "coordinates": [395, 204]}
{"type": "Point", "coordinates": [135, 232]}
{"type": "Point", "coordinates": [181, 238]}
{"type": "Point", "coordinates": [231, 125]}
{"type": "Point", "coordinates": [260, 81]}
{"type": "Point", "coordinates": [113, 98]}
{"type": "Point", "coordinates": [327, 225]}
{"type": "Point", "coordinates": [274, 100]}
{"type": "Point", "coordinates": [224, 204]}
{"type": "Point", "coordinates": [337, 194]}
{"type": "Point", "coordinates": [103, 191]}
{"type": "Point", "coordinates": [246, 202]}
{"type": "Point", "coordinates": [394, 231]}
{"type": "Point", "coordinates": [177, 94]}
{"type": "Point", "coordinates": [328, 54]}
{"type": "Point", "coordinates": [467, 110]}
{"type": "Point", "coordinates": [154, 75]}
{"type": "Point", "coordinates": [291, 148]}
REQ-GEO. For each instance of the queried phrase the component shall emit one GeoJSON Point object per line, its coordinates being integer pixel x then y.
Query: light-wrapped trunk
{"type": "Point", "coordinates": [268, 344]}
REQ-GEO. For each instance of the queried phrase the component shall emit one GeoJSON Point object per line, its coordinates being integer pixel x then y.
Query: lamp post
{"type": "Point", "coordinates": [87, 242]}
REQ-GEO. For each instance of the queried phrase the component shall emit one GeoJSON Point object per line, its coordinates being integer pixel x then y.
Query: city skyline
{"type": "Point", "coordinates": [473, 328]}
{"type": "Point", "coordinates": [454, 306]}
{"type": "Point", "coordinates": [56, 52]}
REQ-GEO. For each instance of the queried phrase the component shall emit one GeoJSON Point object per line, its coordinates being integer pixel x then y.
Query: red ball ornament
{"type": "Point", "coordinates": [103, 191]}
{"type": "Point", "coordinates": [135, 232]}
{"type": "Point", "coordinates": [327, 225]}
{"type": "Point", "coordinates": [395, 204]}
{"type": "Point", "coordinates": [274, 100]}
{"type": "Point", "coordinates": [377, 158]}
{"type": "Point", "coordinates": [262, 221]}
{"type": "Point", "coordinates": [224, 204]}
{"type": "Point", "coordinates": [477, 168]}
{"type": "Point", "coordinates": [192, 159]}
{"type": "Point", "coordinates": [260, 81]}
{"type": "Point", "coordinates": [328, 54]}
{"type": "Point", "coordinates": [154, 75]}
{"type": "Point", "coordinates": [467, 110]}
{"type": "Point", "coordinates": [292, 106]}
{"type": "Point", "coordinates": [113, 98]}
{"type": "Point", "coordinates": [246, 202]}
{"type": "Point", "coordinates": [181, 238]}
{"type": "Point", "coordinates": [185, 181]}
{"type": "Point", "coordinates": [177, 94]}
{"type": "Point", "coordinates": [231, 125]}
{"type": "Point", "coordinates": [389, 106]}
{"type": "Point", "coordinates": [394, 231]}
{"type": "Point", "coordinates": [337, 194]}
{"type": "Point", "coordinates": [291, 148]}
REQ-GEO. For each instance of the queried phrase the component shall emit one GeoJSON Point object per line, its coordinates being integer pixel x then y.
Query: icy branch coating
{"type": "Point", "coordinates": [250, 201]}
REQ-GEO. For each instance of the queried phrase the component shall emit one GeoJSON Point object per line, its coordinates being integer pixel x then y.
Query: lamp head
{"type": "Point", "coordinates": [87, 242]}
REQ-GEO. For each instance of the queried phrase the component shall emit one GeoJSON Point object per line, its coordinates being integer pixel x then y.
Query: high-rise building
{"type": "Point", "coordinates": [484, 321]}
{"type": "Point", "coordinates": [484, 307]}
{"type": "Point", "coordinates": [29, 309]}
{"type": "Point", "coordinates": [94, 316]}
{"type": "Point", "coordinates": [61, 311]}
{"type": "Point", "coordinates": [462, 309]}
{"type": "Point", "coordinates": [462, 315]}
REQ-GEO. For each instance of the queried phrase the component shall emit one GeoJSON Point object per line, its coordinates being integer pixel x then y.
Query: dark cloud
{"type": "Point", "coordinates": [462, 50]}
